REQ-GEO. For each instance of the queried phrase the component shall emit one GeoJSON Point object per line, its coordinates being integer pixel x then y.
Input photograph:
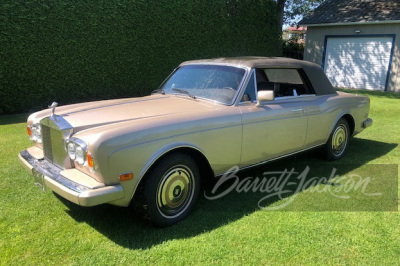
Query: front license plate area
{"type": "Point", "coordinates": [38, 179]}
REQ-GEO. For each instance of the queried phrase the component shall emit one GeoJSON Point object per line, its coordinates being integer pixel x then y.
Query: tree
{"type": "Point", "coordinates": [292, 11]}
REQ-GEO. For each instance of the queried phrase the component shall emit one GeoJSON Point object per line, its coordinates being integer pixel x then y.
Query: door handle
{"type": "Point", "coordinates": [298, 110]}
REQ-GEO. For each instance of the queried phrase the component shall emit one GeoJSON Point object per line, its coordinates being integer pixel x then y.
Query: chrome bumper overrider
{"type": "Point", "coordinates": [53, 178]}
{"type": "Point", "coordinates": [367, 123]}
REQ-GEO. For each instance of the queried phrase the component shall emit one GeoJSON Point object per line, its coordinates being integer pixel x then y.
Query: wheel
{"type": "Point", "coordinates": [337, 143]}
{"type": "Point", "coordinates": [170, 190]}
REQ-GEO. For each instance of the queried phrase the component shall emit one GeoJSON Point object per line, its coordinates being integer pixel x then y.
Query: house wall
{"type": "Point", "coordinates": [315, 40]}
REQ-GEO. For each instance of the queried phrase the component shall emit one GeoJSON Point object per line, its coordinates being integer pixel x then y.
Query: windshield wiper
{"type": "Point", "coordinates": [161, 91]}
{"type": "Point", "coordinates": [184, 92]}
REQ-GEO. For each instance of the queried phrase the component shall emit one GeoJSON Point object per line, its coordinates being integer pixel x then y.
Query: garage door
{"type": "Point", "coordinates": [358, 62]}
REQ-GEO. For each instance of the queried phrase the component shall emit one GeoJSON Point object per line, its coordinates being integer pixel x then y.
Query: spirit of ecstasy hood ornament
{"type": "Point", "coordinates": [53, 106]}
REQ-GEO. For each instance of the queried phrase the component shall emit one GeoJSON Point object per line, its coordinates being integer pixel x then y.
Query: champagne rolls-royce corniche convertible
{"type": "Point", "coordinates": [206, 117]}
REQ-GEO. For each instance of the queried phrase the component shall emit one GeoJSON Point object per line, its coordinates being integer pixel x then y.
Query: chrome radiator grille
{"type": "Point", "coordinates": [46, 139]}
{"type": "Point", "coordinates": [53, 143]}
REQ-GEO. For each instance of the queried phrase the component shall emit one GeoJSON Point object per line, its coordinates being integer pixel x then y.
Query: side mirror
{"type": "Point", "coordinates": [264, 96]}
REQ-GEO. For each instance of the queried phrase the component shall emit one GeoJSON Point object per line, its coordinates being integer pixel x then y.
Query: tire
{"type": "Point", "coordinates": [338, 141]}
{"type": "Point", "coordinates": [171, 190]}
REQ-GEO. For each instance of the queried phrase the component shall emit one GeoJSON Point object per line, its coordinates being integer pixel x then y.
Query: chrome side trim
{"type": "Point", "coordinates": [273, 159]}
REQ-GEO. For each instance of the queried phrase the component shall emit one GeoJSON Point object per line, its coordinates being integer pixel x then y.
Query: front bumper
{"type": "Point", "coordinates": [71, 184]}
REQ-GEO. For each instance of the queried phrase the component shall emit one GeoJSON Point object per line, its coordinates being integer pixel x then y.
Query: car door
{"type": "Point", "coordinates": [274, 128]}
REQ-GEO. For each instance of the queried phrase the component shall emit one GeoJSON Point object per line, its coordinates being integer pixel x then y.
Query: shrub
{"type": "Point", "coordinates": [71, 51]}
{"type": "Point", "coordinates": [293, 49]}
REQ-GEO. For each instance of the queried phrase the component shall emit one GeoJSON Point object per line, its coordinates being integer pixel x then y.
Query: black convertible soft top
{"type": "Point", "coordinates": [316, 75]}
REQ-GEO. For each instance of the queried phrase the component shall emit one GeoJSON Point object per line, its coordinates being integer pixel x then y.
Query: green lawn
{"type": "Point", "coordinates": [37, 228]}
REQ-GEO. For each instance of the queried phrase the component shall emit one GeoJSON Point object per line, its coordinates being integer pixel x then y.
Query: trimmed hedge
{"type": "Point", "coordinates": [72, 51]}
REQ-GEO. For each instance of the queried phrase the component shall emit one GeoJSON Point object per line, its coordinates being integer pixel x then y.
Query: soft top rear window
{"type": "Point", "coordinates": [279, 75]}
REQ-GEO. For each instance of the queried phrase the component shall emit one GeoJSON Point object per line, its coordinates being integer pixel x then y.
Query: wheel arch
{"type": "Point", "coordinates": [350, 120]}
{"type": "Point", "coordinates": [196, 153]}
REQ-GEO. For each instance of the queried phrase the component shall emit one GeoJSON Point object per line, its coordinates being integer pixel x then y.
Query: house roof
{"type": "Point", "coordinates": [301, 29]}
{"type": "Point", "coordinates": [351, 11]}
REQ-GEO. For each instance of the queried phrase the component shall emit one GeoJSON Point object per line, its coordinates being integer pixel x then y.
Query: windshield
{"type": "Point", "coordinates": [212, 82]}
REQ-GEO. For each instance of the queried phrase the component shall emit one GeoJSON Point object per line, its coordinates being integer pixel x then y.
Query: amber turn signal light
{"type": "Point", "coordinates": [89, 160]}
{"type": "Point", "coordinates": [127, 176]}
{"type": "Point", "coordinates": [28, 128]}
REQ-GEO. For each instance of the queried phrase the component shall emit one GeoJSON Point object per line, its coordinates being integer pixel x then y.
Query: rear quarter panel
{"type": "Point", "coordinates": [324, 112]}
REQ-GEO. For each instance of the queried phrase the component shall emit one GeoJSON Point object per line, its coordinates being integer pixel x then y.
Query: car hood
{"type": "Point", "coordinates": [92, 114]}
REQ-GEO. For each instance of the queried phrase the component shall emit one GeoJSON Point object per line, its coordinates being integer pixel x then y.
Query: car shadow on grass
{"type": "Point", "coordinates": [124, 226]}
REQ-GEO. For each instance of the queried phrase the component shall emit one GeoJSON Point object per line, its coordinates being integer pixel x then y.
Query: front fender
{"type": "Point", "coordinates": [167, 148]}
{"type": "Point", "coordinates": [139, 160]}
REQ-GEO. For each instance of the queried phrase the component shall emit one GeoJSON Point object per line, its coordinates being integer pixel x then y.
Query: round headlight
{"type": "Point", "coordinates": [35, 133]}
{"type": "Point", "coordinates": [79, 155]}
{"type": "Point", "coordinates": [34, 136]}
{"type": "Point", "coordinates": [38, 134]}
{"type": "Point", "coordinates": [71, 150]}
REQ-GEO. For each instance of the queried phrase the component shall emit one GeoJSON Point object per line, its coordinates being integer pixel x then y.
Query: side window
{"type": "Point", "coordinates": [286, 82]}
{"type": "Point", "coordinates": [250, 91]}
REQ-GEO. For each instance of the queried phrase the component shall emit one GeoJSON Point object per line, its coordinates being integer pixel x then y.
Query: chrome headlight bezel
{"type": "Point", "coordinates": [36, 134]}
{"type": "Point", "coordinates": [76, 149]}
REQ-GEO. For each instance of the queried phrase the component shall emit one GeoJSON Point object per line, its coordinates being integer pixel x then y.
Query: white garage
{"type": "Point", "coordinates": [356, 42]}
{"type": "Point", "coordinates": [359, 62]}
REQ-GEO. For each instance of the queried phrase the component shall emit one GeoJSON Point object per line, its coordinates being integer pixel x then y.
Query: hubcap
{"type": "Point", "coordinates": [175, 191]}
{"type": "Point", "coordinates": [339, 140]}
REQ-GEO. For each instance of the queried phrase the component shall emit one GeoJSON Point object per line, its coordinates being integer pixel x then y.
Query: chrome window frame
{"type": "Point", "coordinates": [252, 72]}
{"type": "Point", "coordinates": [285, 97]}
{"type": "Point", "coordinates": [294, 97]}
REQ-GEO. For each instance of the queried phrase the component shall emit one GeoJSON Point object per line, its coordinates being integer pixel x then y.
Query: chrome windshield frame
{"type": "Point", "coordinates": [239, 89]}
